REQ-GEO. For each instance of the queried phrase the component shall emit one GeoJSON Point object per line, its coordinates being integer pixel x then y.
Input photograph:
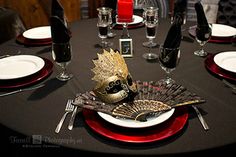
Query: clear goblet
{"type": "Point", "coordinates": [110, 33]}
{"type": "Point", "coordinates": [61, 54]}
{"type": "Point", "coordinates": [102, 33]}
{"type": "Point", "coordinates": [203, 34]}
{"type": "Point", "coordinates": [104, 16]}
{"type": "Point", "coordinates": [150, 16]}
{"type": "Point", "coordinates": [169, 59]}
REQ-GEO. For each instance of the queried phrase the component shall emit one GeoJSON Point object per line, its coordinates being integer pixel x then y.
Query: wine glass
{"type": "Point", "coordinates": [203, 34]}
{"type": "Point", "coordinates": [150, 16]}
{"type": "Point", "coordinates": [103, 23]}
{"type": "Point", "coordinates": [169, 59]}
{"type": "Point", "coordinates": [61, 54]}
{"type": "Point", "coordinates": [110, 33]}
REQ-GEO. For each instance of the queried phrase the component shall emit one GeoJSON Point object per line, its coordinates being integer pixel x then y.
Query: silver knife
{"type": "Point", "coordinates": [201, 119]}
{"type": "Point", "coordinates": [21, 90]}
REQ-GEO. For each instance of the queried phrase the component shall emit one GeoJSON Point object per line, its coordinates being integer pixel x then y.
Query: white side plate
{"type": "Point", "coordinates": [19, 66]}
{"type": "Point", "coordinates": [137, 124]}
{"type": "Point", "coordinates": [137, 19]}
{"type": "Point", "coordinates": [43, 32]}
{"type": "Point", "coordinates": [226, 60]}
{"type": "Point", "coordinates": [220, 30]}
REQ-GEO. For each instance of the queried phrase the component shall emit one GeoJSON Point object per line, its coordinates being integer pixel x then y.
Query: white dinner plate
{"type": "Point", "coordinates": [226, 60]}
{"type": "Point", "coordinates": [220, 30]}
{"type": "Point", "coordinates": [43, 32]}
{"type": "Point", "coordinates": [137, 19]}
{"type": "Point", "coordinates": [129, 123]}
{"type": "Point", "coordinates": [19, 66]}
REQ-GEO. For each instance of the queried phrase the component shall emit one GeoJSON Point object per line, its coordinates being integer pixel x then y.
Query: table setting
{"type": "Point", "coordinates": [118, 105]}
{"type": "Point", "coordinates": [38, 36]}
{"type": "Point", "coordinates": [14, 75]}
{"type": "Point", "coordinates": [220, 33]}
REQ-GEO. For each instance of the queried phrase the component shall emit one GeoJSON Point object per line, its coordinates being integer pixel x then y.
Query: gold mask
{"type": "Point", "coordinates": [114, 82]}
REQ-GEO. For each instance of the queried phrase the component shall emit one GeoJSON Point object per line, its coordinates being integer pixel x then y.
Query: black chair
{"type": "Point", "coordinates": [11, 24]}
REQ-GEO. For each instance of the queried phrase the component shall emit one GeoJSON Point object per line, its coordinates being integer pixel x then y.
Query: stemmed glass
{"type": "Point", "coordinates": [203, 34]}
{"type": "Point", "coordinates": [61, 54]}
{"type": "Point", "coordinates": [150, 18]}
{"type": "Point", "coordinates": [169, 59]}
{"type": "Point", "coordinates": [110, 33]}
{"type": "Point", "coordinates": [104, 16]}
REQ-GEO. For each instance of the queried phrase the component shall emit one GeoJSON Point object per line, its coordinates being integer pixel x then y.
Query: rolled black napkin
{"type": "Point", "coordinates": [180, 7]}
{"type": "Point", "coordinates": [174, 36]}
{"type": "Point", "coordinates": [59, 31]}
{"type": "Point", "coordinates": [203, 30]}
{"type": "Point", "coordinates": [169, 52]}
{"type": "Point", "coordinates": [57, 9]}
{"type": "Point", "coordinates": [201, 17]}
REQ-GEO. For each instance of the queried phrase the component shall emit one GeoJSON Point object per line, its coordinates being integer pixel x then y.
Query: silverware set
{"type": "Point", "coordinates": [70, 108]}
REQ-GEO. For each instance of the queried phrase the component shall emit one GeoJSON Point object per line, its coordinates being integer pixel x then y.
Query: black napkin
{"type": "Point", "coordinates": [169, 56]}
{"type": "Point", "coordinates": [203, 30]}
{"type": "Point", "coordinates": [57, 9]}
{"type": "Point", "coordinates": [173, 38]}
{"type": "Point", "coordinates": [59, 31]}
{"type": "Point", "coordinates": [180, 7]}
{"type": "Point", "coordinates": [201, 17]}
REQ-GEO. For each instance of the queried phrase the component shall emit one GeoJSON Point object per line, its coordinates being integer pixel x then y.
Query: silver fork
{"type": "Point", "coordinates": [69, 108]}
{"type": "Point", "coordinates": [72, 119]}
{"type": "Point", "coordinates": [201, 119]}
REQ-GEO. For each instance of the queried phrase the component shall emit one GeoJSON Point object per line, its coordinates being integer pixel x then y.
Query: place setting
{"type": "Point", "coordinates": [222, 65]}
{"type": "Point", "coordinates": [122, 109]}
{"type": "Point", "coordinates": [37, 36]}
{"type": "Point", "coordinates": [214, 32]}
{"type": "Point", "coordinates": [22, 72]}
{"type": "Point", "coordinates": [221, 33]}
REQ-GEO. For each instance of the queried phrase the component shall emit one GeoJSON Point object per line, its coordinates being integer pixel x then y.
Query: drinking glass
{"type": "Point", "coordinates": [61, 54]}
{"type": "Point", "coordinates": [110, 33]}
{"type": "Point", "coordinates": [104, 17]}
{"type": "Point", "coordinates": [169, 59]}
{"type": "Point", "coordinates": [150, 18]}
{"type": "Point", "coordinates": [203, 34]}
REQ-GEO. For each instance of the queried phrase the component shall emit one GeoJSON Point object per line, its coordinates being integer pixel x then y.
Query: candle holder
{"type": "Point", "coordinates": [124, 15]}
{"type": "Point", "coordinates": [125, 31]}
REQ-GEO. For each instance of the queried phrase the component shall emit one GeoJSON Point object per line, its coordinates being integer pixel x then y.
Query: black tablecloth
{"type": "Point", "coordinates": [38, 112]}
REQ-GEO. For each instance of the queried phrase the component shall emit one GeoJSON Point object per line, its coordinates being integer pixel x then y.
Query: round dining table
{"type": "Point", "coordinates": [28, 119]}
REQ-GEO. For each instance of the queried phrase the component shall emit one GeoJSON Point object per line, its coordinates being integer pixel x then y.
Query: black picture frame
{"type": "Point", "coordinates": [126, 47]}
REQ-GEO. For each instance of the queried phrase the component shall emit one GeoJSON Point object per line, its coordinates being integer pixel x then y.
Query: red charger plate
{"type": "Point", "coordinates": [215, 69]}
{"type": "Point", "coordinates": [141, 135]}
{"type": "Point", "coordinates": [33, 42]}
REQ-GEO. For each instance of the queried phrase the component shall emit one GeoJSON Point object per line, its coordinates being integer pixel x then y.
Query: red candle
{"type": "Point", "coordinates": [125, 10]}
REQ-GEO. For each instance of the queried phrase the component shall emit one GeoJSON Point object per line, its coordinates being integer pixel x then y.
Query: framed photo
{"type": "Point", "coordinates": [126, 47]}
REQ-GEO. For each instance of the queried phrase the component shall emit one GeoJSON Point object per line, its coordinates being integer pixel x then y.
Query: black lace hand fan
{"type": "Point", "coordinates": [152, 98]}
